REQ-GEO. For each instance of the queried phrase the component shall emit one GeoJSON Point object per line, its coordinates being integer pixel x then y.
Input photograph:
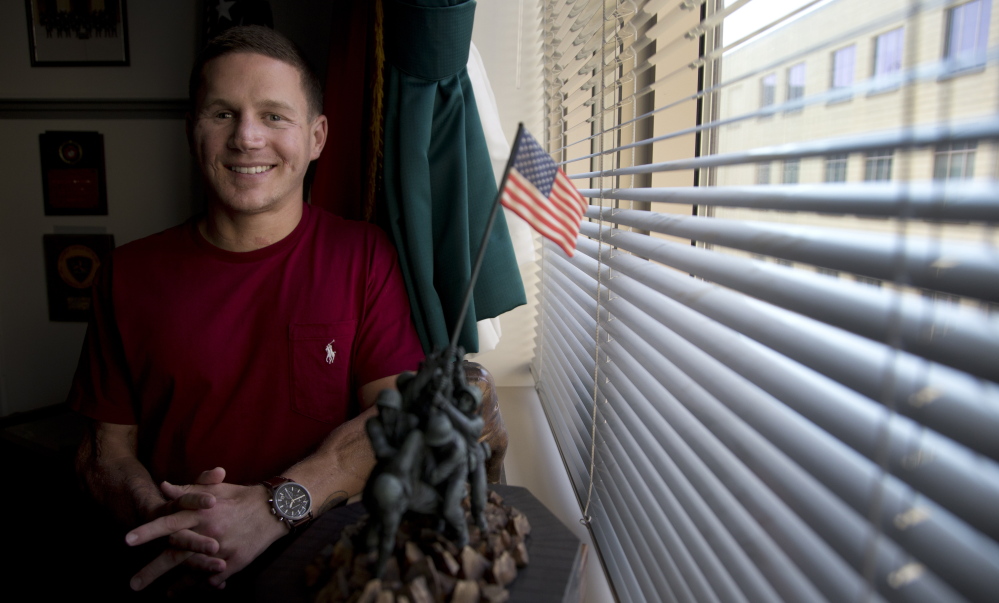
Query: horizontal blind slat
{"type": "Point", "coordinates": [986, 128]}
{"type": "Point", "coordinates": [936, 331]}
{"type": "Point", "coordinates": [941, 549]}
{"type": "Point", "coordinates": [639, 543]}
{"type": "Point", "coordinates": [946, 400]}
{"type": "Point", "coordinates": [947, 547]}
{"type": "Point", "coordinates": [680, 535]}
{"type": "Point", "coordinates": [953, 267]}
{"type": "Point", "coordinates": [936, 200]}
{"type": "Point", "coordinates": [721, 474]}
{"type": "Point", "coordinates": [962, 482]}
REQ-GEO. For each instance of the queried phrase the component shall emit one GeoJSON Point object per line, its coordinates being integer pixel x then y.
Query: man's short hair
{"type": "Point", "coordinates": [257, 39]}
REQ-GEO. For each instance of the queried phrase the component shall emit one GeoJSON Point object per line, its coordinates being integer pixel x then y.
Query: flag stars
{"type": "Point", "coordinates": [223, 9]}
{"type": "Point", "coordinates": [535, 165]}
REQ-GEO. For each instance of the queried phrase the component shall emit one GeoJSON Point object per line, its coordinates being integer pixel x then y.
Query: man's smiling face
{"type": "Point", "coordinates": [252, 133]}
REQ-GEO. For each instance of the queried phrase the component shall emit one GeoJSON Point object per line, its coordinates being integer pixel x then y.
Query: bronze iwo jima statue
{"type": "Point", "coordinates": [426, 443]}
{"type": "Point", "coordinates": [432, 531]}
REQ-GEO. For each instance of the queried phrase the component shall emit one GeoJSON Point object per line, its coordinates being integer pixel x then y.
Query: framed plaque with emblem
{"type": "Point", "coordinates": [64, 33]}
{"type": "Point", "coordinates": [73, 179]}
{"type": "Point", "coordinates": [71, 263]}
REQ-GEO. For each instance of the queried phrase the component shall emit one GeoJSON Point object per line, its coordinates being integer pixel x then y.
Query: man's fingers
{"type": "Point", "coordinates": [218, 580]}
{"type": "Point", "coordinates": [192, 541]}
{"type": "Point", "coordinates": [207, 563]}
{"type": "Point", "coordinates": [191, 501]}
{"type": "Point", "coordinates": [210, 477]}
{"type": "Point", "coordinates": [166, 561]}
{"type": "Point", "coordinates": [163, 526]}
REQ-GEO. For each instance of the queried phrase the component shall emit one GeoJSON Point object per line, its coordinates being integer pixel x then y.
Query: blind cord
{"type": "Point", "coordinates": [586, 519]}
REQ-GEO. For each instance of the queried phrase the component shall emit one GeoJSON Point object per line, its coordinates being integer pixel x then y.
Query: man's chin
{"type": "Point", "coordinates": [249, 206]}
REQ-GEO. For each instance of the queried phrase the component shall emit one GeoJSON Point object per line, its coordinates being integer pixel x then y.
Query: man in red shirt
{"type": "Point", "coordinates": [240, 354]}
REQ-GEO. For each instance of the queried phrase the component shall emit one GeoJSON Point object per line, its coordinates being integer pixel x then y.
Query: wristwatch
{"type": "Point", "coordinates": [290, 501]}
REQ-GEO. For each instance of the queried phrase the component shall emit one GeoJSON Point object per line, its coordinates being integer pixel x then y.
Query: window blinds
{"type": "Point", "coordinates": [771, 366]}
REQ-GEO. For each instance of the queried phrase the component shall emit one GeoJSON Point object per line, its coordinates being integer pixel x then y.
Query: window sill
{"type": "Point", "coordinates": [970, 70]}
{"type": "Point", "coordinates": [884, 90]}
{"type": "Point", "coordinates": [839, 101]}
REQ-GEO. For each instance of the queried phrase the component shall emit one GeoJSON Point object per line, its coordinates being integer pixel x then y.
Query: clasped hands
{"type": "Point", "coordinates": [210, 525]}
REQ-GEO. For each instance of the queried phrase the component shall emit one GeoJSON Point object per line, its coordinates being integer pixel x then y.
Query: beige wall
{"type": "Point", "coordinates": [961, 96]}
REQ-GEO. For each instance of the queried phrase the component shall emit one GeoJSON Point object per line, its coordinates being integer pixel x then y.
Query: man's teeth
{"type": "Point", "coordinates": [250, 170]}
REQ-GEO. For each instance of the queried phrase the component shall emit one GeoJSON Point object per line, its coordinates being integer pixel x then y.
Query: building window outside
{"type": "Point", "coordinates": [763, 173]}
{"type": "Point", "coordinates": [888, 53]}
{"type": "Point", "coordinates": [955, 161]}
{"type": "Point", "coordinates": [844, 60]}
{"type": "Point", "coordinates": [877, 165]}
{"type": "Point", "coordinates": [768, 90]}
{"type": "Point", "coordinates": [796, 83]}
{"type": "Point", "coordinates": [792, 169]}
{"type": "Point", "coordinates": [968, 33]}
{"type": "Point", "coordinates": [836, 168]}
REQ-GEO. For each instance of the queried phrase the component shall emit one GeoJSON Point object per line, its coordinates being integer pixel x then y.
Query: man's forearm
{"type": "Point", "coordinates": [111, 473]}
{"type": "Point", "coordinates": [340, 467]}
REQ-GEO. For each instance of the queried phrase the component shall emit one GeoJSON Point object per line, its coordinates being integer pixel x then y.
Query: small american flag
{"type": "Point", "coordinates": [538, 191]}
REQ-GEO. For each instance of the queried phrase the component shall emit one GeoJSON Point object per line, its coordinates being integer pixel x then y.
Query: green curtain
{"type": "Point", "coordinates": [438, 180]}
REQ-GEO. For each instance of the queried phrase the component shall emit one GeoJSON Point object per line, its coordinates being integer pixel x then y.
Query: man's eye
{"type": "Point", "coordinates": [223, 115]}
{"type": "Point", "coordinates": [273, 117]}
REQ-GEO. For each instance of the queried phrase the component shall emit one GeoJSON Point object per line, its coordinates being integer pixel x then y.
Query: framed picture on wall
{"type": "Point", "coordinates": [71, 263]}
{"type": "Point", "coordinates": [78, 33]}
{"type": "Point", "coordinates": [73, 176]}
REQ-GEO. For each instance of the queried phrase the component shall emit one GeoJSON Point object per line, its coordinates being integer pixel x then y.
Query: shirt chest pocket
{"type": "Point", "coordinates": [320, 369]}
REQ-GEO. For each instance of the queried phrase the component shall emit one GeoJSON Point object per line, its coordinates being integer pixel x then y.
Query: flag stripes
{"type": "Point", "coordinates": [556, 215]}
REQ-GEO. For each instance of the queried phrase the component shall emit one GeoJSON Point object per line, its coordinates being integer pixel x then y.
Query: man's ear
{"type": "Point", "coordinates": [189, 130]}
{"type": "Point", "coordinates": [319, 132]}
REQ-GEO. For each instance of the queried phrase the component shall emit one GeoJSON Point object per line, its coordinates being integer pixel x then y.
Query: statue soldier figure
{"type": "Point", "coordinates": [426, 442]}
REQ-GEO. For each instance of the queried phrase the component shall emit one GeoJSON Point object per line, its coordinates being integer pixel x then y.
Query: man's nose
{"type": "Point", "coordinates": [247, 134]}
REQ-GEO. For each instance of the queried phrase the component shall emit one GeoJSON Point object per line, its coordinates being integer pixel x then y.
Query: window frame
{"type": "Point", "coordinates": [974, 58]}
{"type": "Point", "coordinates": [944, 155]}
{"type": "Point", "coordinates": [790, 171]}
{"type": "Point", "coordinates": [793, 91]}
{"type": "Point", "coordinates": [877, 55]}
{"type": "Point", "coordinates": [768, 90]}
{"type": "Point", "coordinates": [763, 173]}
{"type": "Point", "coordinates": [834, 82]}
{"type": "Point", "coordinates": [878, 162]}
{"type": "Point", "coordinates": [832, 166]}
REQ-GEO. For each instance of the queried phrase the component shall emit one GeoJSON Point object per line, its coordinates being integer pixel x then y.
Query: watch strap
{"type": "Point", "coordinates": [274, 482]}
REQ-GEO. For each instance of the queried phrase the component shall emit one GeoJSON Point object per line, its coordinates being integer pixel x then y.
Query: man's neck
{"type": "Point", "coordinates": [241, 232]}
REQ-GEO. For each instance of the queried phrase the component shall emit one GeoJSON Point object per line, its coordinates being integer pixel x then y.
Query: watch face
{"type": "Point", "coordinates": [292, 501]}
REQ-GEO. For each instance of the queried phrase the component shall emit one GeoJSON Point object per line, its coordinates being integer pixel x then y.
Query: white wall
{"type": "Point", "coordinates": [506, 36]}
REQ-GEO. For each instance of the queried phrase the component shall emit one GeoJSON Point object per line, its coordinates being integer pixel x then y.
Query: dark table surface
{"type": "Point", "coordinates": [556, 555]}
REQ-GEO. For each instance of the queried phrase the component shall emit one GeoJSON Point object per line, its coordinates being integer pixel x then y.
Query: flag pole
{"type": "Point", "coordinates": [485, 240]}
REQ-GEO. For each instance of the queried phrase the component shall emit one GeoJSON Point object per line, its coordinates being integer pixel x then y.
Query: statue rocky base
{"type": "Point", "coordinates": [426, 567]}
